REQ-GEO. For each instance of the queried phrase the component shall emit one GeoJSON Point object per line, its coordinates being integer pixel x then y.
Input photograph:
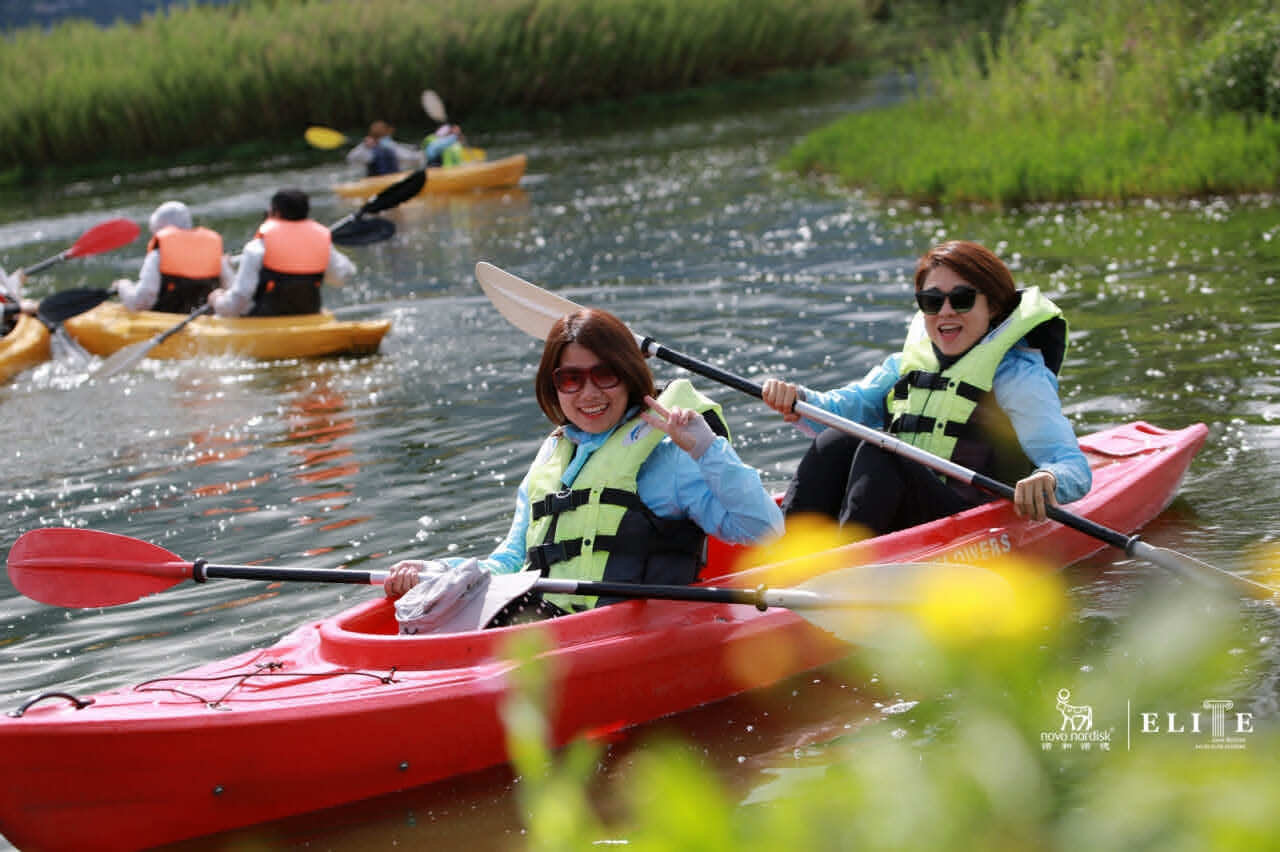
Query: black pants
{"type": "Point", "coordinates": [853, 482]}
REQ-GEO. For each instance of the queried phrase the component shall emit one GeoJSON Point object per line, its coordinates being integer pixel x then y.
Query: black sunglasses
{"type": "Point", "coordinates": [574, 379]}
{"type": "Point", "coordinates": [962, 299]}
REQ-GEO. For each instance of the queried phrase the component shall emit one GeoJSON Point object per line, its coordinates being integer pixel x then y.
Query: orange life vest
{"type": "Point", "coordinates": [294, 259]}
{"type": "Point", "coordinates": [190, 267]}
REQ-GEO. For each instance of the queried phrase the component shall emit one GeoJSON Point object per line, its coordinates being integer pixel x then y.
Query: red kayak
{"type": "Point", "coordinates": [345, 709]}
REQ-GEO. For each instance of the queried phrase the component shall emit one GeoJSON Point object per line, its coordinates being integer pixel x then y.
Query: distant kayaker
{"type": "Point", "coordinates": [976, 382]}
{"type": "Point", "coordinates": [630, 482]}
{"type": "Point", "coordinates": [283, 266]}
{"type": "Point", "coordinates": [382, 155]}
{"type": "Point", "coordinates": [183, 265]}
{"type": "Point", "coordinates": [445, 146]}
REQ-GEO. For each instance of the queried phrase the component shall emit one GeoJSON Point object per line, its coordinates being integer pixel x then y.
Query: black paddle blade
{"type": "Point", "coordinates": [396, 194]}
{"type": "Point", "coordinates": [364, 231]}
{"type": "Point", "coordinates": [58, 307]}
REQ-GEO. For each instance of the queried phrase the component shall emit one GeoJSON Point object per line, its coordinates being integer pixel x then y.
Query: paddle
{"type": "Point", "coordinates": [65, 304]}
{"type": "Point", "coordinates": [533, 310]}
{"type": "Point", "coordinates": [434, 106]}
{"type": "Point", "coordinates": [70, 567]}
{"type": "Point", "coordinates": [105, 236]}
{"type": "Point", "coordinates": [130, 356]}
{"type": "Point", "coordinates": [324, 138]}
{"type": "Point", "coordinates": [353, 226]}
{"type": "Point", "coordinates": [354, 229]}
{"type": "Point", "coordinates": [54, 309]}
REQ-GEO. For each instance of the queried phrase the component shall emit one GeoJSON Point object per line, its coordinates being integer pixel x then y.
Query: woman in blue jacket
{"type": "Point", "coordinates": [976, 382]}
{"type": "Point", "coordinates": [629, 483]}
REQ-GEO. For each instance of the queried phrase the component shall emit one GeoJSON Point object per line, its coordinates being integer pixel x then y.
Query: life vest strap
{"type": "Point", "coordinates": [675, 539]}
{"type": "Point", "coordinates": [542, 557]}
{"type": "Point", "coordinates": [568, 500]}
{"type": "Point", "coordinates": [933, 382]}
{"type": "Point", "coordinates": [916, 423]}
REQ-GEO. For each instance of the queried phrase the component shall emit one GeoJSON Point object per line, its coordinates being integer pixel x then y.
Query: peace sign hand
{"type": "Point", "coordinates": [687, 428]}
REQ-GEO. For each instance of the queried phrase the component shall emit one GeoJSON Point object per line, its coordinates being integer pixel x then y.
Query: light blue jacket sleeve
{"type": "Point", "coordinates": [717, 491]}
{"type": "Point", "coordinates": [1024, 387]}
{"type": "Point", "coordinates": [862, 401]}
{"type": "Point", "coordinates": [1027, 390]}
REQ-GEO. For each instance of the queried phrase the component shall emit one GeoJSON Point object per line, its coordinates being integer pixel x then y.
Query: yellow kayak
{"type": "Point", "coordinates": [483, 174]}
{"type": "Point", "coordinates": [109, 327]}
{"type": "Point", "coordinates": [25, 346]}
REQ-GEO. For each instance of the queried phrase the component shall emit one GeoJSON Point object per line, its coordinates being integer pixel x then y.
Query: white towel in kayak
{"type": "Point", "coordinates": [453, 599]}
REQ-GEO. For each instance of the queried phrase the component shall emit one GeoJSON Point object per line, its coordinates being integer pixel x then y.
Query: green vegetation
{"type": "Point", "coordinates": [207, 79]}
{"type": "Point", "coordinates": [1075, 99]}
{"type": "Point", "coordinates": [980, 762]}
{"type": "Point", "coordinates": [1017, 102]}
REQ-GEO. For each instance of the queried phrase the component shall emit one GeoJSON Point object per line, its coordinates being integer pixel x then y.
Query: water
{"type": "Point", "coordinates": [682, 227]}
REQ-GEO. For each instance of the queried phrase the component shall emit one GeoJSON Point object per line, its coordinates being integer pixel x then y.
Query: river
{"type": "Point", "coordinates": [681, 225]}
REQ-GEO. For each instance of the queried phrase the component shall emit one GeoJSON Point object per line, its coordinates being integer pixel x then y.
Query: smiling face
{"type": "Point", "coordinates": [954, 333]}
{"type": "Point", "coordinates": [592, 409]}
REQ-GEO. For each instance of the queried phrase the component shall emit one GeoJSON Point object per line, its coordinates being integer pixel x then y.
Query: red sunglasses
{"type": "Point", "coordinates": [574, 379]}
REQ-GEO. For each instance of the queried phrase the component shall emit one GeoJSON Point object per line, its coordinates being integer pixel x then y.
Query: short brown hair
{"type": "Point", "coordinates": [611, 341]}
{"type": "Point", "coordinates": [977, 265]}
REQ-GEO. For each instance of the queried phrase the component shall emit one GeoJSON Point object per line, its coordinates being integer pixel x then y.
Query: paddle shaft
{"type": "Point", "coordinates": [170, 332]}
{"type": "Point", "coordinates": [1131, 546]}
{"type": "Point", "coordinates": [72, 567]}
{"type": "Point", "coordinates": [105, 236]}
{"type": "Point", "coordinates": [891, 444]}
{"type": "Point", "coordinates": [534, 311]}
{"type": "Point", "coordinates": [47, 262]}
{"type": "Point", "coordinates": [761, 597]}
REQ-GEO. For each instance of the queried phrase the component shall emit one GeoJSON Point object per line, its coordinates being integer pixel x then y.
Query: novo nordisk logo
{"type": "Point", "coordinates": [1076, 730]}
{"type": "Point", "coordinates": [1216, 729]}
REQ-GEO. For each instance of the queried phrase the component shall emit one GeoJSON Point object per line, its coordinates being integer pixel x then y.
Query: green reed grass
{"type": "Point", "coordinates": [1077, 100]}
{"type": "Point", "coordinates": [200, 78]}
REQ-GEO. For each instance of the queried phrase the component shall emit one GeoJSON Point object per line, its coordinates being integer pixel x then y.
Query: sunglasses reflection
{"type": "Point", "coordinates": [574, 379]}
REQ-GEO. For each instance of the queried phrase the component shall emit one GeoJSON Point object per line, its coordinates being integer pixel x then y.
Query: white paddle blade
{"type": "Point", "coordinates": [434, 106]}
{"type": "Point", "coordinates": [67, 350]}
{"type": "Point", "coordinates": [526, 306]}
{"type": "Point", "coordinates": [1194, 570]}
{"type": "Point", "coordinates": [123, 360]}
{"type": "Point", "coordinates": [872, 605]}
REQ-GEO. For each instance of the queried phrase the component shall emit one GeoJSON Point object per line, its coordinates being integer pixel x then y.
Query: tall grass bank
{"type": "Point", "coordinates": [207, 78]}
{"type": "Point", "coordinates": [1079, 99]}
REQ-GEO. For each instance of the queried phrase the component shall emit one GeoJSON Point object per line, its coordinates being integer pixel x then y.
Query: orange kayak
{"type": "Point", "coordinates": [110, 327]}
{"type": "Point", "coordinates": [482, 174]}
{"type": "Point", "coordinates": [24, 347]}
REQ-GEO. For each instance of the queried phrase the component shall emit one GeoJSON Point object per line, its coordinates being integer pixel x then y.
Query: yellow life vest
{"type": "Point", "coordinates": [952, 413]}
{"type": "Point", "coordinates": [597, 528]}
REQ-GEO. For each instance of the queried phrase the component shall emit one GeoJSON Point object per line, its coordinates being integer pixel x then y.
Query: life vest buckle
{"type": "Point", "coordinates": [543, 556]}
{"type": "Point", "coordinates": [561, 501]}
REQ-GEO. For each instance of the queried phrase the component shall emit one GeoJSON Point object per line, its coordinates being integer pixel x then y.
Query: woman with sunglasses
{"type": "Point", "coordinates": [976, 383]}
{"type": "Point", "coordinates": [629, 483]}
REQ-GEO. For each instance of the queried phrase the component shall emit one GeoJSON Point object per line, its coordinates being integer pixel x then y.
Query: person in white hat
{"type": "Point", "coordinates": [183, 265]}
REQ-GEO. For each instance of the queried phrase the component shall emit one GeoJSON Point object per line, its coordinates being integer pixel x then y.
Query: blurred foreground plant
{"type": "Point", "coordinates": [1045, 732]}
